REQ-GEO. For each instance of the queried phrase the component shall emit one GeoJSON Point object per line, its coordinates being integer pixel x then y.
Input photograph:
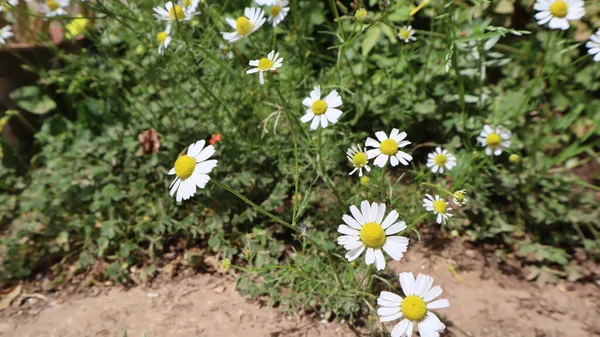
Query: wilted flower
{"type": "Point", "coordinates": [214, 138]}
{"type": "Point", "coordinates": [149, 141]}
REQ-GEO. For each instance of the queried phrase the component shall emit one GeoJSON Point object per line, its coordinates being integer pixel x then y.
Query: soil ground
{"type": "Point", "coordinates": [485, 302]}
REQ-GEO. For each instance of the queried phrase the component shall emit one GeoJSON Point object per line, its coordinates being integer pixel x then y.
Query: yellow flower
{"type": "Point", "coordinates": [514, 158]}
{"type": "Point", "coordinates": [76, 27]}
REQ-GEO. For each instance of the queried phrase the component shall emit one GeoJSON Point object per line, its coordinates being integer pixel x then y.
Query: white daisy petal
{"type": "Point", "coordinates": [439, 304]}
{"type": "Point", "coordinates": [355, 253]}
{"type": "Point", "coordinates": [379, 260]}
{"type": "Point", "coordinates": [407, 282]}
{"type": "Point", "coordinates": [432, 293]}
{"type": "Point", "coordinates": [391, 297]}
{"type": "Point", "coordinates": [400, 329]}
{"type": "Point", "coordinates": [370, 256]}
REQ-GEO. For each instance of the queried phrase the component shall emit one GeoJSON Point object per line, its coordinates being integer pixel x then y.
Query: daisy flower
{"type": "Point", "coordinates": [190, 6]}
{"type": "Point", "coordinates": [53, 8]}
{"type": "Point", "coordinates": [226, 50]}
{"type": "Point", "coordinates": [183, 10]}
{"type": "Point", "coordinates": [245, 25]}
{"type": "Point", "coordinates": [279, 10]}
{"type": "Point", "coordinates": [458, 197]}
{"type": "Point", "coordinates": [594, 46]}
{"type": "Point", "coordinates": [440, 159]}
{"type": "Point", "coordinates": [557, 13]}
{"type": "Point", "coordinates": [164, 39]}
{"type": "Point", "coordinates": [321, 111]}
{"type": "Point", "coordinates": [406, 34]}
{"type": "Point", "coordinates": [4, 5]}
{"type": "Point", "coordinates": [192, 170]}
{"type": "Point", "coordinates": [366, 229]}
{"type": "Point", "coordinates": [414, 307]}
{"type": "Point", "coordinates": [358, 158]}
{"type": "Point", "coordinates": [5, 34]}
{"type": "Point", "coordinates": [494, 139]}
{"type": "Point", "coordinates": [388, 148]}
{"type": "Point", "coordinates": [438, 206]}
{"type": "Point", "coordinates": [269, 63]}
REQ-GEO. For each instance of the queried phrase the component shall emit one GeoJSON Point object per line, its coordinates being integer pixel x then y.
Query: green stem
{"type": "Point", "coordinates": [384, 184]}
{"type": "Point", "coordinates": [295, 140]}
{"type": "Point", "coordinates": [368, 273]}
{"type": "Point", "coordinates": [321, 168]}
{"type": "Point", "coordinates": [438, 187]}
{"type": "Point", "coordinates": [255, 206]}
{"type": "Point", "coordinates": [284, 223]}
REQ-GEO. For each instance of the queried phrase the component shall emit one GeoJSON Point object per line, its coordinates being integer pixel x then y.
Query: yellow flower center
{"type": "Point", "coordinates": [361, 14]}
{"type": "Point", "coordinates": [265, 64]}
{"type": "Point", "coordinates": [459, 196]}
{"type": "Point", "coordinates": [187, 3]}
{"type": "Point", "coordinates": [440, 206]}
{"type": "Point", "coordinates": [319, 107]}
{"type": "Point", "coordinates": [275, 10]}
{"type": "Point", "coordinates": [389, 147]}
{"type": "Point", "coordinates": [404, 34]}
{"type": "Point", "coordinates": [52, 5]}
{"type": "Point", "coordinates": [440, 159]}
{"type": "Point", "coordinates": [360, 159]}
{"type": "Point", "coordinates": [372, 235]}
{"type": "Point", "coordinates": [559, 8]}
{"type": "Point", "coordinates": [243, 26]}
{"type": "Point", "coordinates": [493, 139]}
{"type": "Point", "coordinates": [161, 37]}
{"type": "Point", "coordinates": [414, 308]}
{"type": "Point", "coordinates": [184, 166]}
{"type": "Point", "coordinates": [176, 13]}
{"type": "Point", "coordinates": [365, 180]}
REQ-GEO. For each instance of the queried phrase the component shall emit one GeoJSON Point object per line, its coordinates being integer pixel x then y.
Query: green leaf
{"type": "Point", "coordinates": [427, 107]}
{"type": "Point", "coordinates": [371, 38]}
{"type": "Point", "coordinates": [32, 99]}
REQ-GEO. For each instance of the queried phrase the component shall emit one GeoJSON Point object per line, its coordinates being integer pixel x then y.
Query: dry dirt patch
{"type": "Point", "coordinates": [484, 301]}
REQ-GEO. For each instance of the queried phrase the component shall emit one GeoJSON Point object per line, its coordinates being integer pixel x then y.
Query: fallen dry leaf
{"type": "Point", "coordinates": [8, 299]}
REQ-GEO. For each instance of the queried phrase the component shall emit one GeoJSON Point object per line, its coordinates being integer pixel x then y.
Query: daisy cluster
{"type": "Point", "coordinates": [47, 9]}
{"type": "Point", "coordinates": [557, 14]}
{"type": "Point", "coordinates": [243, 26]}
{"type": "Point", "coordinates": [370, 228]}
